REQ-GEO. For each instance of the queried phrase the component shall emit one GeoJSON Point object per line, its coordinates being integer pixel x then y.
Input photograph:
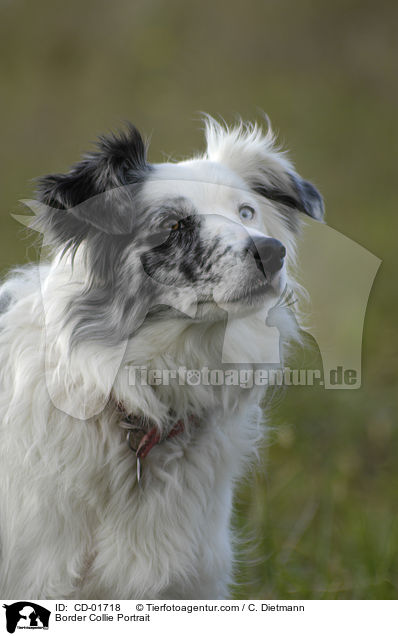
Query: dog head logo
{"type": "Point", "coordinates": [210, 239]}
{"type": "Point", "coordinates": [26, 615]}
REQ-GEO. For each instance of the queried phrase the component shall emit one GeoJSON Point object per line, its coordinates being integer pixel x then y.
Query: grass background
{"type": "Point", "coordinates": [321, 511]}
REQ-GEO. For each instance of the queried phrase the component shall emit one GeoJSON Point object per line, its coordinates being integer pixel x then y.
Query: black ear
{"type": "Point", "coordinates": [293, 193]}
{"type": "Point", "coordinates": [94, 193]}
{"type": "Point", "coordinates": [309, 199]}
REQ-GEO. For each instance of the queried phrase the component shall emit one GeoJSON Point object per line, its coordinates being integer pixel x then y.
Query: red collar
{"type": "Point", "coordinates": [142, 439]}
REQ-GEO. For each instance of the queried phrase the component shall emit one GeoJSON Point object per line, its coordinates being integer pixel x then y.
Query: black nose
{"type": "Point", "coordinates": [268, 254]}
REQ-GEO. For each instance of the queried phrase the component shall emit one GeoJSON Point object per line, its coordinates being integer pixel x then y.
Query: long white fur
{"type": "Point", "coordinates": [73, 521]}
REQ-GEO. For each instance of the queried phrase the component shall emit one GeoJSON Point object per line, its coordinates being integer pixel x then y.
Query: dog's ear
{"type": "Point", "coordinates": [252, 154]}
{"type": "Point", "coordinates": [96, 191]}
{"type": "Point", "coordinates": [292, 192]}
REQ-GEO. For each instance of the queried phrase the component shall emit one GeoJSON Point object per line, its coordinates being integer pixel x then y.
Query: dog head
{"type": "Point", "coordinates": [212, 234]}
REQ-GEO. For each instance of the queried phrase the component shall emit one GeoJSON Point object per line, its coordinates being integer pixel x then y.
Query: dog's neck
{"type": "Point", "coordinates": [179, 369]}
{"type": "Point", "coordinates": [96, 370]}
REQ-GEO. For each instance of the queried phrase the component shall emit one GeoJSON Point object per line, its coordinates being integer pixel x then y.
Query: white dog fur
{"type": "Point", "coordinates": [74, 522]}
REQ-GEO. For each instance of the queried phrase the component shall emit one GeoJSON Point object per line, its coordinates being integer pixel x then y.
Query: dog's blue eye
{"type": "Point", "coordinates": [246, 213]}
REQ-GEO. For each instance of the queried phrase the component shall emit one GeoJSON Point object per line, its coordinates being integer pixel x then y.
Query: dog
{"type": "Point", "coordinates": [114, 486]}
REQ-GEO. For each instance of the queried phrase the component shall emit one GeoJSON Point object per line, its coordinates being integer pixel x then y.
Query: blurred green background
{"type": "Point", "coordinates": [320, 513]}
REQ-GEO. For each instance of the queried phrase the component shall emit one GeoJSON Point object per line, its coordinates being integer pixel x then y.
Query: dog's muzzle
{"type": "Point", "coordinates": [268, 253]}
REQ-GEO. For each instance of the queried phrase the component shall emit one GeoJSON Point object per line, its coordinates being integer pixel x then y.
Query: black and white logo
{"type": "Point", "coordinates": [26, 615]}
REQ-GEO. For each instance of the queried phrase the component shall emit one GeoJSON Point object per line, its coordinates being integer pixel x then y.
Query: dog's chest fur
{"type": "Point", "coordinates": [76, 505]}
{"type": "Point", "coordinates": [169, 537]}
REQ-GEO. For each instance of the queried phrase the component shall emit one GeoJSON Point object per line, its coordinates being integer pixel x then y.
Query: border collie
{"type": "Point", "coordinates": [112, 487]}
